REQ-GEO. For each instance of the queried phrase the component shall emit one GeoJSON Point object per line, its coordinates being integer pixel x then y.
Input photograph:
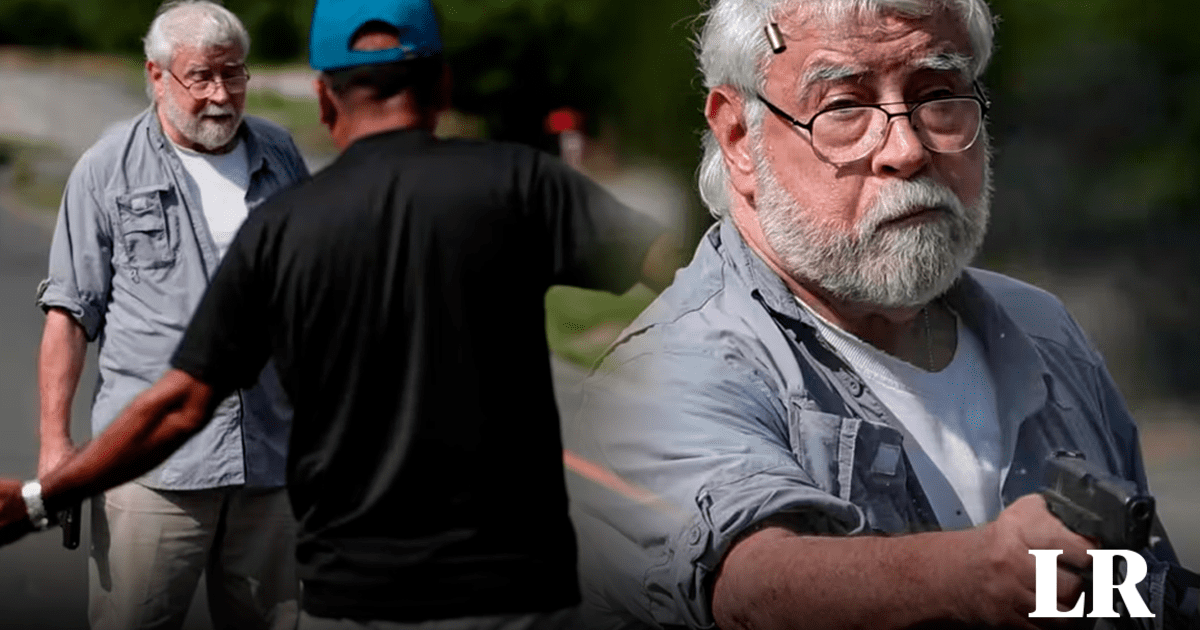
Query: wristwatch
{"type": "Point", "coordinates": [31, 491]}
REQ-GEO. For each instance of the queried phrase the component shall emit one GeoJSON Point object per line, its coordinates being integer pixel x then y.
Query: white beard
{"type": "Point", "coordinates": [896, 266]}
{"type": "Point", "coordinates": [206, 132]}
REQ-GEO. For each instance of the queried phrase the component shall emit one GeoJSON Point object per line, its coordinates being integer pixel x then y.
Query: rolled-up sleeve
{"type": "Point", "coordinates": [698, 449]}
{"type": "Point", "coordinates": [80, 270]}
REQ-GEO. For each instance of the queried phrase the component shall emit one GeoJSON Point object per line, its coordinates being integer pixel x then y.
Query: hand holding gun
{"type": "Point", "coordinates": [16, 524]}
{"type": "Point", "coordinates": [69, 520]}
{"type": "Point", "coordinates": [1097, 505]}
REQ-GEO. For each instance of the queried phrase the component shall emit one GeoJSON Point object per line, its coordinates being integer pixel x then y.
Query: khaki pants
{"type": "Point", "coordinates": [149, 548]}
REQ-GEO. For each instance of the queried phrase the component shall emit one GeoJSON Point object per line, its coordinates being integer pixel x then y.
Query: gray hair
{"type": "Point", "coordinates": [733, 50]}
{"type": "Point", "coordinates": [191, 23]}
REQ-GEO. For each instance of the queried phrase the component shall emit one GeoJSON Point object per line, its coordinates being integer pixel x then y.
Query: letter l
{"type": "Point", "coordinates": [1046, 586]}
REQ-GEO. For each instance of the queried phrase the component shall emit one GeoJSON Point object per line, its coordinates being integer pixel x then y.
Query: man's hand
{"type": "Point", "coordinates": [53, 453]}
{"type": "Point", "coordinates": [13, 522]}
{"type": "Point", "coordinates": [1004, 595]}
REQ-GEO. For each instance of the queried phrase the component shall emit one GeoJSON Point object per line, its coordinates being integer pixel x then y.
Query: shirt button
{"type": "Point", "coordinates": [694, 535]}
{"type": "Point", "coordinates": [855, 385]}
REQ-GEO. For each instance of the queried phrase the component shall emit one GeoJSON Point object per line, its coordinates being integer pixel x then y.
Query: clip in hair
{"type": "Point", "coordinates": [775, 38]}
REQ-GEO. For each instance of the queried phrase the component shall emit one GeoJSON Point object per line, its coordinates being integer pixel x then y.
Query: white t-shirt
{"type": "Point", "coordinates": [952, 415]}
{"type": "Point", "coordinates": [221, 180]}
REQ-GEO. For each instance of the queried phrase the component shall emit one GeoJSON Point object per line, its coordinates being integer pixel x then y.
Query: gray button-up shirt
{"type": "Point", "coordinates": [721, 406]}
{"type": "Point", "coordinates": [131, 257]}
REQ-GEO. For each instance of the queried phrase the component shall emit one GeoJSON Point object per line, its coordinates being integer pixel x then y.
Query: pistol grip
{"type": "Point", "coordinates": [69, 519]}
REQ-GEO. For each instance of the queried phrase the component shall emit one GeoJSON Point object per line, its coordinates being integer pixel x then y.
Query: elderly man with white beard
{"type": "Point", "coordinates": [829, 420]}
{"type": "Point", "coordinates": [146, 217]}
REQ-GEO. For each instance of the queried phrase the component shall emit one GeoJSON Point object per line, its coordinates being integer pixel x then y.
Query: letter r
{"type": "Point", "coordinates": [1046, 585]}
{"type": "Point", "coordinates": [1103, 587]}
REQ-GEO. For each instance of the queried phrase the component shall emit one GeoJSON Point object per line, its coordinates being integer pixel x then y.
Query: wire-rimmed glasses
{"type": "Point", "coordinates": [840, 135]}
{"type": "Point", "coordinates": [203, 87]}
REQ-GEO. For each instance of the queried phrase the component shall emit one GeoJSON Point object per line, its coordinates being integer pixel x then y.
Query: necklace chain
{"type": "Point", "coordinates": [928, 337]}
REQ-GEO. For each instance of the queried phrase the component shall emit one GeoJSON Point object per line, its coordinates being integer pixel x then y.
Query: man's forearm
{"type": "Point", "coordinates": [156, 423]}
{"type": "Point", "coordinates": [60, 363]}
{"type": "Point", "coordinates": [778, 579]}
{"type": "Point", "coordinates": [663, 258]}
{"type": "Point", "coordinates": [984, 576]}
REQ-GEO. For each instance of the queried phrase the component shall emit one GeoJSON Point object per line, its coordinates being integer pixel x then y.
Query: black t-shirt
{"type": "Point", "coordinates": [401, 293]}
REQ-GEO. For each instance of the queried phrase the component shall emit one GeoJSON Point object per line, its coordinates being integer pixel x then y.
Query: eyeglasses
{"type": "Point", "coordinates": [840, 135]}
{"type": "Point", "coordinates": [235, 83]}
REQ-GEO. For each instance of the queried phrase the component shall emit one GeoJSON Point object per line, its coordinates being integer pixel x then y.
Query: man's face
{"type": "Point", "coordinates": [207, 123]}
{"type": "Point", "coordinates": [896, 227]}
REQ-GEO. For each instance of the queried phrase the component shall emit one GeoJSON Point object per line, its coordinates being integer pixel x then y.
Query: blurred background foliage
{"type": "Point", "coordinates": [1095, 125]}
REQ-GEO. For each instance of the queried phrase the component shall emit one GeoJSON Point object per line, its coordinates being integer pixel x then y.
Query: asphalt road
{"type": "Point", "coordinates": [42, 585]}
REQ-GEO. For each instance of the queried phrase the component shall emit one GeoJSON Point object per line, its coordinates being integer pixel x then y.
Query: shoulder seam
{"type": "Point", "coordinates": [1070, 349]}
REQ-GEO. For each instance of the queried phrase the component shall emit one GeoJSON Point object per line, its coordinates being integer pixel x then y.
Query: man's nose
{"type": "Point", "coordinates": [218, 93]}
{"type": "Point", "coordinates": [901, 152]}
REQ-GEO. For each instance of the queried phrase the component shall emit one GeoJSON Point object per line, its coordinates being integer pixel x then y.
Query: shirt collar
{"type": "Point", "coordinates": [760, 279]}
{"type": "Point", "coordinates": [397, 138]}
{"type": "Point", "coordinates": [255, 156]}
{"type": "Point", "coordinates": [1021, 375]}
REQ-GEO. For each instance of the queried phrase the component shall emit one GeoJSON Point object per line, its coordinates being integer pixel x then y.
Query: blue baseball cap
{"type": "Point", "coordinates": [335, 22]}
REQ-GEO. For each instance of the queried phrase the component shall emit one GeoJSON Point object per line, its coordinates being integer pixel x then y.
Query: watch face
{"type": "Point", "coordinates": [35, 510]}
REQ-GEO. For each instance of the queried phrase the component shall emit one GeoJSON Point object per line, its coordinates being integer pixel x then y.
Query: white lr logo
{"type": "Point", "coordinates": [1046, 572]}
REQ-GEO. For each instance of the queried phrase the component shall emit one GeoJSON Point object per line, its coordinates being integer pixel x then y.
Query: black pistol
{"type": "Point", "coordinates": [1095, 504]}
{"type": "Point", "coordinates": [69, 520]}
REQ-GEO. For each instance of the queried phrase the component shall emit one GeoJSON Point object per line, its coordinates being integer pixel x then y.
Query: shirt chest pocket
{"type": "Point", "coordinates": [862, 462]}
{"type": "Point", "coordinates": [148, 236]}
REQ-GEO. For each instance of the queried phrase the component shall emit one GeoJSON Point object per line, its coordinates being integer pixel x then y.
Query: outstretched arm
{"type": "Point", "coordinates": [775, 578]}
{"type": "Point", "coordinates": [663, 258]}
{"type": "Point", "coordinates": [156, 423]}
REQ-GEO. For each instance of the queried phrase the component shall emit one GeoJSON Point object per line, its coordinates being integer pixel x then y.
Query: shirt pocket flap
{"type": "Point", "coordinates": [140, 209]}
{"type": "Point", "coordinates": [142, 216]}
{"type": "Point", "coordinates": [142, 223]}
{"type": "Point", "coordinates": [862, 462]}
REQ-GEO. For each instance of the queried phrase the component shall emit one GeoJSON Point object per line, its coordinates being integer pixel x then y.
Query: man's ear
{"type": "Point", "coordinates": [723, 109]}
{"type": "Point", "coordinates": [329, 112]}
{"type": "Point", "coordinates": [154, 73]}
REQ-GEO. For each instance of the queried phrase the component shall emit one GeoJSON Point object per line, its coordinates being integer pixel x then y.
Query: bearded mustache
{"type": "Point", "coordinates": [878, 259]}
{"type": "Point", "coordinates": [904, 198]}
{"type": "Point", "coordinates": [218, 110]}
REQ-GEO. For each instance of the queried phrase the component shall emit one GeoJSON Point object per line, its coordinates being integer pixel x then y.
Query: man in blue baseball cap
{"type": "Point", "coordinates": [400, 292]}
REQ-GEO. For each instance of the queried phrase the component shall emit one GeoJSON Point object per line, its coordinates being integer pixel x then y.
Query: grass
{"type": "Point", "coordinates": [580, 324]}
